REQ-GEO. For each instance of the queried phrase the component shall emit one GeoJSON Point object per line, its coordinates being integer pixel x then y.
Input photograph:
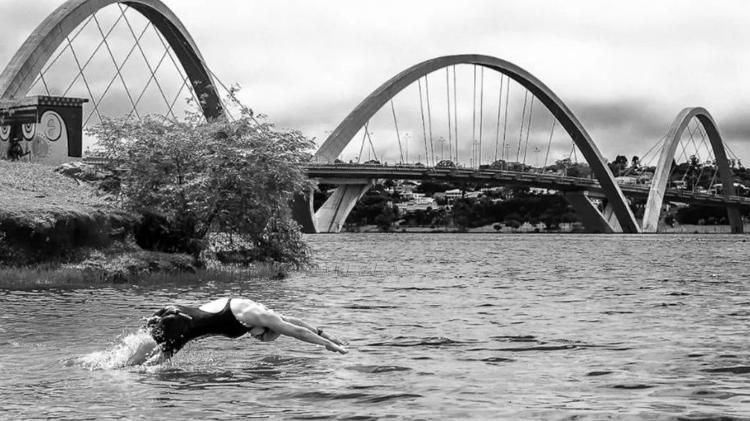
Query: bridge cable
{"type": "Point", "coordinates": [528, 129]}
{"type": "Point", "coordinates": [148, 83]}
{"type": "Point", "coordinates": [684, 150]}
{"type": "Point", "coordinates": [421, 111]}
{"type": "Point", "coordinates": [474, 118]}
{"type": "Point", "coordinates": [697, 156]}
{"type": "Point", "coordinates": [692, 140]}
{"type": "Point", "coordinates": [96, 50]}
{"type": "Point", "coordinates": [398, 136]}
{"type": "Point", "coordinates": [80, 68]}
{"type": "Point", "coordinates": [184, 84]}
{"type": "Point", "coordinates": [362, 145]}
{"type": "Point", "coordinates": [499, 112]}
{"type": "Point", "coordinates": [117, 69]}
{"type": "Point", "coordinates": [180, 71]}
{"type": "Point", "coordinates": [700, 174]}
{"type": "Point", "coordinates": [523, 119]}
{"type": "Point", "coordinates": [481, 114]}
{"type": "Point", "coordinates": [61, 52]}
{"type": "Point", "coordinates": [83, 77]}
{"type": "Point", "coordinates": [117, 75]}
{"type": "Point", "coordinates": [195, 60]}
{"type": "Point", "coordinates": [369, 138]}
{"type": "Point", "coordinates": [643, 158]}
{"type": "Point", "coordinates": [711, 158]}
{"type": "Point", "coordinates": [706, 145]}
{"type": "Point", "coordinates": [230, 94]}
{"type": "Point", "coordinates": [151, 69]}
{"type": "Point", "coordinates": [44, 82]}
{"type": "Point", "coordinates": [731, 152]}
{"type": "Point", "coordinates": [505, 119]}
{"type": "Point", "coordinates": [549, 144]}
{"type": "Point", "coordinates": [448, 97]}
{"type": "Point", "coordinates": [573, 155]}
{"type": "Point", "coordinates": [455, 111]}
{"type": "Point", "coordinates": [672, 167]}
{"type": "Point", "coordinates": [429, 120]}
{"type": "Point", "coordinates": [713, 179]}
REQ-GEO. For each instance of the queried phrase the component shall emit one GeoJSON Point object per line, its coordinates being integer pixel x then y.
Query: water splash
{"type": "Point", "coordinates": [135, 349]}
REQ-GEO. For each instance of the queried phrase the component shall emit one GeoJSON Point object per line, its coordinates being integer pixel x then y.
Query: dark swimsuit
{"type": "Point", "coordinates": [173, 326]}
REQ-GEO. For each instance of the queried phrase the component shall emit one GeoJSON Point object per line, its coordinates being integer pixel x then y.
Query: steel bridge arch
{"type": "Point", "coordinates": [346, 130]}
{"type": "Point", "coordinates": [17, 78]}
{"type": "Point", "coordinates": [664, 165]}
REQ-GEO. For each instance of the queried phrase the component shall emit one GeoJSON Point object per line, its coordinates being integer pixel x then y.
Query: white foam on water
{"type": "Point", "coordinates": [132, 350]}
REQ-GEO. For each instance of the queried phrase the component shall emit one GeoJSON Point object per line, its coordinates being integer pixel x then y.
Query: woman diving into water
{"type": "Point", "coordinates": [173, 326]}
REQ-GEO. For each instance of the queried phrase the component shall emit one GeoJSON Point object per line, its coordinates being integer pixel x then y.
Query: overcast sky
{"type": "Point", "coordinates": [625, 68]}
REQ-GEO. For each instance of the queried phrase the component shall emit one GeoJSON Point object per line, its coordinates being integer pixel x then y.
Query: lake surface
{"type": "Point", "coordinates": [439, 326]}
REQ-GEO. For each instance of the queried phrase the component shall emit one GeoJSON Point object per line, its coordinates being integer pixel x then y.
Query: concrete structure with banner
{"type": "Point", "coordinates": [41, 129]}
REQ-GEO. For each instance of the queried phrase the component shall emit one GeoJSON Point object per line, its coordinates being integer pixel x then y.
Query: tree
{"type": "Point", "coordinates": [619, 165]}
{"type": "Point", "coordinates": [385, 219]}
{"type": "Point", "coordinates": [234, 178]}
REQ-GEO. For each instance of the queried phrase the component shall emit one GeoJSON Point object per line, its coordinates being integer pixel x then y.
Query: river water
{"type": "Point", "coordinates": [440, 326]}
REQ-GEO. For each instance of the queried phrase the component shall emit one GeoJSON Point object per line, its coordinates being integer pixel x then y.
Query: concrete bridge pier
{"type": "Point", "coordinates": [332, 215]}
{"type": "Point", "coordinates": [304, 213]}
{"type": "Point", "coordinates": [735, 220]}
{"type": "Point", "coordinates": [593, 220]}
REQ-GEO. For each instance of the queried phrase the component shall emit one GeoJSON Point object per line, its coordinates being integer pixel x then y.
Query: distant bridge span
{"type": "Point", "coordinates": [661, 177]}
{"type": "Point", "coordinates": [17, 78]}
{"type": "Point", "coordinates": [330, 173]}
{"type": "Point", "coordinates": [334, 212]}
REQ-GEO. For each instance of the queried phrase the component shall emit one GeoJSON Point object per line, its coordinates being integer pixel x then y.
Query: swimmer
{"type": "Point", "coordinates": [173, 326]}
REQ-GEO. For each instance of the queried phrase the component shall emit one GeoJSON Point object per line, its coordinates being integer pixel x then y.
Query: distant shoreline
{"type": "Point", "coordinates": [488, 229]}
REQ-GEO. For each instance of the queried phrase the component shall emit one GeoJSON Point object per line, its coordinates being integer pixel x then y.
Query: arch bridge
{"type": "Point", "coordinates": [615, 215]}
{"type": "Point", "coordinates": [600, 201]}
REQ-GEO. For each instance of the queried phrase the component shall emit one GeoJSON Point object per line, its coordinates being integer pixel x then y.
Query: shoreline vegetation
{"type": "Point", "coordinates": [490, 230]}
{"type": "Point", "coordinates": [56, 231]}
{"type": "Point", "coordinates": [457, 206]}
{"type": "Point", "coordinates": [62, 232]}
{"type": "Point", "coordinates": [181, 201]}
{"type": "Point", "coordinates": [196, 201]}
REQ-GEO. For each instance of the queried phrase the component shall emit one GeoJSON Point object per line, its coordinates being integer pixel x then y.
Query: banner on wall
{"type": "Point", "coordinates": [41, 129]}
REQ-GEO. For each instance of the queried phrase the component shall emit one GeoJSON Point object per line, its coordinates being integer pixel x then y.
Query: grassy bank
{"type": "Point", "coordinates": [56, 232]}
{"type": "Point", "coordinates": [35, 191]}
{"type": "Point", "coordinates": [62, 277]}
{"type": "Point", "coordinates": [47, 217]}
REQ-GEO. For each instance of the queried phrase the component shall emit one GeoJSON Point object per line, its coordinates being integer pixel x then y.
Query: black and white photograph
{"type": "Point", "coordinates": [371, 210]}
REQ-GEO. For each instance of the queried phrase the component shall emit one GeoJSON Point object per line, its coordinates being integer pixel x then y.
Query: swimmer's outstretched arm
{"type": "Point", "coordinates": [312, 329]}
{"type": "Point", "coordinates": [257, 315]}
{"type": "Point", "coordinates": [275, 322]}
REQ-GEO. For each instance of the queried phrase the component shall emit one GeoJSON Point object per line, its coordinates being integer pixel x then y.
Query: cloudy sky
{"type": "Point", "coordinates": [625, 68]}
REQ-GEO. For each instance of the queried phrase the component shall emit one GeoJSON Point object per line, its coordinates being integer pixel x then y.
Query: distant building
{"type": "Point", "coordinates": [626, 180]}
{"type": "Point", "coordinates": [454, 194]}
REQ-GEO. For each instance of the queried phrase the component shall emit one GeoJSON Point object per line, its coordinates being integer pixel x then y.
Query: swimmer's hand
{"type": "Point", "coordinates": [336, 348]}
{"type": "Point", "coordinates": [333, 339]}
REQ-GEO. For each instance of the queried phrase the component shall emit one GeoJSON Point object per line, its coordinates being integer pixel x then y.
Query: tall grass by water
{"type": "Point", "coordinates": [41, 277]}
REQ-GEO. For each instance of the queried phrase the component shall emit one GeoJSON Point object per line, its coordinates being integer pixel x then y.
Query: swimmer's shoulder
{"type": "Point", "coordinates": [214, 306]}
{"type": "Point", "coordinates": [247, 306]}
{"type": "Point", "coordinates": [237, 305]}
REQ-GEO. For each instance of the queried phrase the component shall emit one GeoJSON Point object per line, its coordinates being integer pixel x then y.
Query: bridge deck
{"type": "Point", "coordinates": [510, 178]}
